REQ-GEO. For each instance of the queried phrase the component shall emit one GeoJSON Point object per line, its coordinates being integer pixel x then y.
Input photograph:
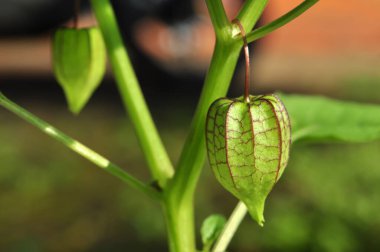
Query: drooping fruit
{"type": "Point", "coordinates": [248, 147]}
{"type": "Point", "coordinates": [79, 63]}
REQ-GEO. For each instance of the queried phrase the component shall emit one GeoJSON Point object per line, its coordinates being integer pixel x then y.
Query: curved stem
{"type": "Point", "coordinates": [78, 147]}
{"type": "Point", "coordinates": [281, 21]}
{"type": "Point", "coordinates": [129, 88]}
{"type": "Point", "coordinates": [230, 228]}
{"type": "Point", "coordinates": [247, 61]}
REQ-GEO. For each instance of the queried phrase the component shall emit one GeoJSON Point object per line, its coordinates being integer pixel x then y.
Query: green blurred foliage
{"type": "Point", "coordinates": [53, 200]}
{"type": "Point", "coordinates": [319, 119]}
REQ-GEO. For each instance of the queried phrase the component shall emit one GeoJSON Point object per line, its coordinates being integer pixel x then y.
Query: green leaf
{"type": "Point", "coordinates": [210, 230]}
{"type": "Point", "coordinates": [320, 119]}
{"type": "Point", "coordinates": [79, 63]}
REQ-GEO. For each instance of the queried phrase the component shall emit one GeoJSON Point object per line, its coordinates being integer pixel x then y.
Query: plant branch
{"type": "Point", "coordinates": [230, 228]}
{"type": "Point", "coordinates": [281, 21]}
{"type": "Point", "coordinates": [218, 17]}
{"type": "Point", "coordinates": [251, 12]}
{"type": "Point", "coordinates": [180, 191]}
{"type": "Point", "coordinates": [129, 88]}
{"type": "Point", "coordinates": [78, 147]}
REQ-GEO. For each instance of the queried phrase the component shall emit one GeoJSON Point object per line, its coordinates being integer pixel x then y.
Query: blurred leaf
{"type": "Point", "coordinates": [211, 228]}
{"type": "Point", "coordinates": [320, 119]}
{"type": "Point", "coordinates": [334, 236]}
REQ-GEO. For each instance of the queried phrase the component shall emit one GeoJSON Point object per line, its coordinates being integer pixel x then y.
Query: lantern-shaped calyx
{"type": "Point", "coordinates": [79, 63]}
{"type": "Point", "coordinates": [248, 144]}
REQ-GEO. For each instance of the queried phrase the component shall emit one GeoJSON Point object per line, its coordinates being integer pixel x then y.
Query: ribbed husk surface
{"type": "Point", "coordinates": [248, 147]}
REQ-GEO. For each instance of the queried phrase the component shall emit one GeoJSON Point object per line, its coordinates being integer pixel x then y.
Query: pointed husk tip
{"type": "Point", "coordinates": [257, 213]}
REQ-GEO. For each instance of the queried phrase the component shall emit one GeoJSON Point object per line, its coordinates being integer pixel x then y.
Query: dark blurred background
{"type": "Point", "coordinates": [53, 200]}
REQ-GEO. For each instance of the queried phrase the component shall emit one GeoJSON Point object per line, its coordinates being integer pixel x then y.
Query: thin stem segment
{"type": "Point", "coordinates": [78, 147]}
{"type": "Point", "coordinates": [281, 21]}
{"type": "Point", "coordinates": [230, 228]}
{"type": "Point", "coordinates": [129, 88]}
{"type": "Point", "coordinates": [247, 61]}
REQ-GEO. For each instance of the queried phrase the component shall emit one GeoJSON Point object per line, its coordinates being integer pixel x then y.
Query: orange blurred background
{"type": "Point", "coordinates": [314, 53]}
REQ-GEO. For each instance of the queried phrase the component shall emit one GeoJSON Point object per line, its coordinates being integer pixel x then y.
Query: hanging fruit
{"type": "Point", "coordinates": [248, 141]}
{"type": "Point", "coordinates": [79, 63]}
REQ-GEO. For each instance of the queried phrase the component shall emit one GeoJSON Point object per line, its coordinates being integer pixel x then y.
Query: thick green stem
{"type": "Point", "coordinates": [129, 88]}
{"type": "Point", "coordinates": [218, 18]}
{"type": "Point", "coordinates": [281, 21]}
{"type": "Point", "coordinates": [180, 192]}
{"type": "Point", "coordinates": [77, 147]}
{"type": "Point", "coordinates": [193, 155]}
{"type": "Point", "coordinates": [180, 224]}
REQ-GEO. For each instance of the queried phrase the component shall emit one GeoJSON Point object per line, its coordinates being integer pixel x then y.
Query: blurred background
{"type": "Point", "coordinates": [53, 200]}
